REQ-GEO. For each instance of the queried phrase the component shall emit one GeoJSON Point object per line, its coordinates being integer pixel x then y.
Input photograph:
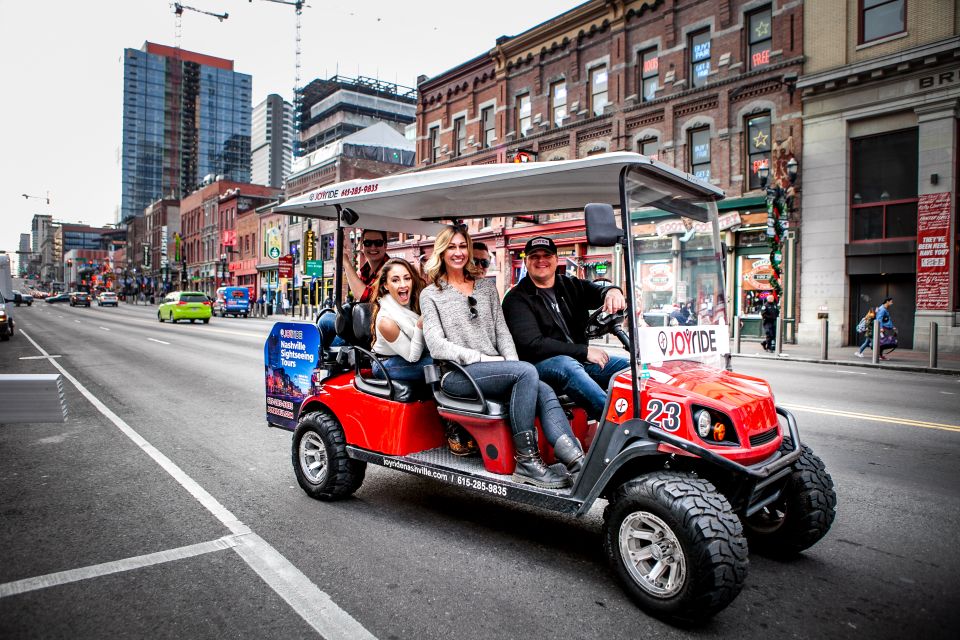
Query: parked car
{"type": "Point", "coordinates": [79, 299]}
{"type": "Point", "coordinates": [60, 297]}
{"type": "Point", "coordinates": [6, 322]}
{"type": "Point", "coordinates": [185, 305]}
{"type": "Point", "coordinates": [107, 299]}
{"type": "Point", "coordinates": [234, 301]}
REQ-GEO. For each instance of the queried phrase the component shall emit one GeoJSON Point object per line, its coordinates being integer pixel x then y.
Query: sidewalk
{"type": "Point", "coordinates": [900, 359]}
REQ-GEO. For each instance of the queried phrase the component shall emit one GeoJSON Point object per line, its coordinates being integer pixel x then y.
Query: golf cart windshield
{"type": "Point", "coordinates": [678, 268]}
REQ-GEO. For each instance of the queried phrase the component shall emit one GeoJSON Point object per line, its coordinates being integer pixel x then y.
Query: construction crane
{"type": "Point", "coordinates": [299, 6]}
{"type": "Point", "coordinates": [178, 10]}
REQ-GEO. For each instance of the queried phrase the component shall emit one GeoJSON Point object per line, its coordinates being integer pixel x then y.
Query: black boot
{"type": "Point", "coordinates": [530, 467]}
{"type": "Point", "coordinates": [568, 451]}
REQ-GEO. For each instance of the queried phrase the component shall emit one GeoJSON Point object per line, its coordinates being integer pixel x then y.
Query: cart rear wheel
{"type": "Point", "coordinates": [675, 545]}
{"type": "Point", "coordinates": [320, 460]}
{"type": "Point", "coordinates": [803, 514]}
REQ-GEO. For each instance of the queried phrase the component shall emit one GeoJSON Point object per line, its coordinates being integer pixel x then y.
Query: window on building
{"type": "Point", "coordinates": [649, 147]}
{"type": "Point", "coordinates": [434, 144]}
{"type": "Point", "coordinates": [760, 38]}
{"type": "Point", "coordinates": [757, 144]}
{"type": "Point", "coordinates": [327, 246]}
{"type": "Point", "coordinates": [699, 58]}
{"type": "Point", "coordinates": [598, 89]}
{"type": "Point", "coordinates": [488, 122]}
{"type": "Point", "coordinates": [884, 183]}
{"type": "Point", "coordinates": [524, 117]}
{"type": "Point", "coordinates": [558, 103]}
{"type": "Point", "coordinates": [699, 155]}
{"type": "Point", "coordinates": [460, 136]}
{"type": "Point", "coordinates": [649, 74]}
{"type": "Point", "coordinates": [881, 18]}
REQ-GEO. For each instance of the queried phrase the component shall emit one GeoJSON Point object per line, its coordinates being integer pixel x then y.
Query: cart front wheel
{"type": "Point", "coordinates": [320, 460]}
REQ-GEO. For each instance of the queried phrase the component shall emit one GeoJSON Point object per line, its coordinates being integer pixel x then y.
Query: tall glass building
{"type": "Point", "coordinates": [186, 119]}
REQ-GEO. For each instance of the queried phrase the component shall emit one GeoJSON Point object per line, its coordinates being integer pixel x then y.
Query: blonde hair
{"type": "Point", "coordinates": [380, 290]}
{"type": "Point", "coordinates": [435, 266]}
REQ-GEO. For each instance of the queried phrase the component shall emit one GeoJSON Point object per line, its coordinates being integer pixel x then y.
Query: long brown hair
{"type": "Point", "coordinates": [380, 290]}
{"type": "Point", "coordinates": [436, 268]}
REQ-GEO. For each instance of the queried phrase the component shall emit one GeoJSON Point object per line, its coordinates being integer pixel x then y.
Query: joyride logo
{"type": "Point", "coordinates": [688, 342]}
{"type": "Point", "coordinates": [683, 343]}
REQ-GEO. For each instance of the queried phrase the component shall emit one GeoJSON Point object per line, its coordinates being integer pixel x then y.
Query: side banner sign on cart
{"type": "Point", "coordinates": [704, 343]}
{"type": "Point", "coordinates": [290, 362]}
{"type": "Point", "coordinates": [933, 251]}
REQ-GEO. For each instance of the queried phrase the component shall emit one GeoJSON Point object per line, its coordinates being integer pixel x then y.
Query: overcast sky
{"type": "Point", "coordinates": [61, 74]}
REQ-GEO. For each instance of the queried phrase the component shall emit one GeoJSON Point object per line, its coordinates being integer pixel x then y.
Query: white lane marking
{"type": "Point", "coordinates": [946, 393]}
{"type": "Point", "coordinates": [155, 340]}
{"type": "Point", "coordinates": [853, 373]}
{"type": "Point", "coordinates": [303, 596]}
{"type": "Point", "coordinates": [127, 564]}
{"type": "Point", "coordinates": [77, 321]}
{"type": "Point", "coordinates": [104, 328]}
{"type": "Point", "coordinates": [38, 357]}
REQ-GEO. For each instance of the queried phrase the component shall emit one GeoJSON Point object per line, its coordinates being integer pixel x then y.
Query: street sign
{"type": "Point", "coordinates": [286, 266]}
{"type": "Point", "coordinates": [315, 268]}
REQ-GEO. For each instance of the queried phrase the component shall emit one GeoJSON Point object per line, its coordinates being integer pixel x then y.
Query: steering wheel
{"type": "Point", "coordinates": [601, 323]}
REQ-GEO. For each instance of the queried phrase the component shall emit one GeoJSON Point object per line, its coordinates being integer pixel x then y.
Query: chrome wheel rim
{"type": "Point", "coordinates": [652, 554]}
{"type": "Point", "coordinates": [769, 519]}
{"type": "Point", "coordinates": [313, 458]}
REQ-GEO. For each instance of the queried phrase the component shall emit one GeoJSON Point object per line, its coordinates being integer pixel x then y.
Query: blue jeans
{"type": "Point", "coordinates": [867, 342]}
{"type": "Point", "coordinates": [402, 370]}
{"type": "Point", "coordinates": [327, 324]}
{"type": "Point", "coordinates": [585, 383]}
{"type": "Point", "coordinates": [517, 385]}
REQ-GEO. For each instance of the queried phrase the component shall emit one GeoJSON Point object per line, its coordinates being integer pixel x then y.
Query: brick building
{"type": "Point", "coordinates": [209, 228]}
{"type": "Point", "coordinates": [881, 102]}
{"type": "Point", "coordinates": [705, 86]}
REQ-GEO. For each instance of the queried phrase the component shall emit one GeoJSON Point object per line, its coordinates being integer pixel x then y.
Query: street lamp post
{"type": "Point", "coordinates": [779, 205]}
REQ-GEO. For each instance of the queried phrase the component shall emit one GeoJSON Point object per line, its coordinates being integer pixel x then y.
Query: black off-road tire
{"type": "Point", "coordinates": [320, 436]}
{"type": "Point", "coordinates": [803, 514]}
{"type": "Point", "coordinates": [159, 317]}
{"type": "Point", "coordinates": [702, 531]}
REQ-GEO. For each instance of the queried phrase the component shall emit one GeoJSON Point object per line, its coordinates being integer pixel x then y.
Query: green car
{"type": "Point", "coordinates": [185, 305]}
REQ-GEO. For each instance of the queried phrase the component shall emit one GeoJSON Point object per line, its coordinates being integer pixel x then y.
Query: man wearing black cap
{"type": "Point", "coordinates": [547, 316]}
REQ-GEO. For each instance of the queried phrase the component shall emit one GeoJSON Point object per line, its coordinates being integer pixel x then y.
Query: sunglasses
{"type": "Point", "coordinates": [483, 263]}
{"type": "Point", "coordinates": [473, 307]}
{"type": "Point", "coordinates": [373, 243]}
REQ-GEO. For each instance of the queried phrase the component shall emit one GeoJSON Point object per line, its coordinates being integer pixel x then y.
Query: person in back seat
{"type": "Point", "coordinates": [361, 284]}
{"type": "Point", "coordinates": [397, 327]}
{"type": "Point", "coordinates": [463, 323]}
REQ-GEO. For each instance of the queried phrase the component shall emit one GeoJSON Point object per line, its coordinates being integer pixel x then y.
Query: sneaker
{"type": "Point", "coordinates": [859, 354]}
{"type": "Point", "coordinates": [884, 358]}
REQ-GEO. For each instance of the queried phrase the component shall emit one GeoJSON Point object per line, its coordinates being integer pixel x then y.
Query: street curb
{"type": "Point", "coordinates": [842, 363]}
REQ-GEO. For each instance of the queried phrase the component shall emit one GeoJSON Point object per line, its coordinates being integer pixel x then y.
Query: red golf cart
{"type": "Point", "coordinates": [692, 459]}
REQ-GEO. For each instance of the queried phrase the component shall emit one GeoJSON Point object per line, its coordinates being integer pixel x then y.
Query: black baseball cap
{"type": "Point", "coordinates": [540, 243]}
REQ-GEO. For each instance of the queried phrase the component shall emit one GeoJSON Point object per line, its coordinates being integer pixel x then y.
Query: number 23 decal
{"type": "Point", "coordinates": [667, 414]}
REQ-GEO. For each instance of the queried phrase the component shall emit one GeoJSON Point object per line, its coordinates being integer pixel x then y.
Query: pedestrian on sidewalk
{"type": "Point", "coordinates": [769, 313]}
{"type": "Point", "coordinates": [866, 328]}
{"type": "Point", "coordinates": [888, 332]}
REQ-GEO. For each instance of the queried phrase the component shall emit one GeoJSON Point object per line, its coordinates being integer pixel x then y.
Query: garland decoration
{"type": "Point", "coordinates": [775, 231]}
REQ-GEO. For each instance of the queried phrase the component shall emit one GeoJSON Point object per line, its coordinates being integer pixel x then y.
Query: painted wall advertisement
{"type": "Point", "coordinates": [755, 273]}
{"type": "Point", "coordinates": [933, 251]}
{"type": "Point", "coordinates": [290, 359]}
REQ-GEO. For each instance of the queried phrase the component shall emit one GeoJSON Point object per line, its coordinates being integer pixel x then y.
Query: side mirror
{"type": "Point", "coordinates": [602, 229]}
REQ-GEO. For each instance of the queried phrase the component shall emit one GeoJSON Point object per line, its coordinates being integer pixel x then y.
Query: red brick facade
{"type": "Point", "coordinates": [747, 70]}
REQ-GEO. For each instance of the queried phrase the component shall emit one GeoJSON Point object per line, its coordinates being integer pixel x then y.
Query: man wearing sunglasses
{"type": "Point", "coordinates": [373, 244]}
{"type": "Point", "coordinates": [481, 258]}
{"type": "Point", "coordinates": [547, 316]}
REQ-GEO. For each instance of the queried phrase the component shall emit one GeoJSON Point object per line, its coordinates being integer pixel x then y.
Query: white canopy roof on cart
{"type": "Point", "coordinates": [409, 202]}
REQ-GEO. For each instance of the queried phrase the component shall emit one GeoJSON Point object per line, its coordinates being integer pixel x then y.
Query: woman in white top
{"type": "Point", "coordinates": [397, 327]}
{"type": "Point", "coordinates": [463, 322]}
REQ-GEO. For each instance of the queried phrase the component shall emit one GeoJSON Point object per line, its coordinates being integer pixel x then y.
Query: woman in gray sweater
{"type": "Point", "coordinates": [463, 322]}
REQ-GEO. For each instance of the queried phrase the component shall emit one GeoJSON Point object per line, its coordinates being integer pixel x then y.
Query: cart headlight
{"type": "Point", "coordinates": [704, 424]}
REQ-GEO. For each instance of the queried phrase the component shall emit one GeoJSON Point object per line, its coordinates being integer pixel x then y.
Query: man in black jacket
{"type": "Point", "coordinates": [547, 315]}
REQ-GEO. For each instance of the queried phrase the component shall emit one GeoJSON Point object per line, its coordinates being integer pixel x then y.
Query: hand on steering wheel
{"type": "Point", "coordinates": [601, 323]}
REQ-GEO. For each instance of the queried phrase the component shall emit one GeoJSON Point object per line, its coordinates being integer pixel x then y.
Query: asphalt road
{"type": "Point", "coordinates": [229, 546]}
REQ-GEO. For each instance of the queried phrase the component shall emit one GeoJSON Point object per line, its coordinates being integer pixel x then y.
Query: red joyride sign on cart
{"type": "Point", "coordinates": [933, 251]}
